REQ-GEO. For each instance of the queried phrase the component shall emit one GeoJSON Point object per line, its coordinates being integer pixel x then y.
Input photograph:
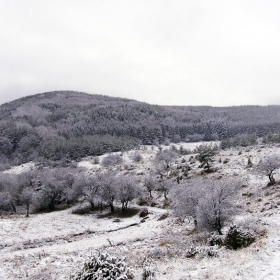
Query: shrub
{"type": "Point", "coordinates": [166, 142]}
{"type": "Point", "coordinates": [149, 272]}
{"type": "Point", "coordinates": [104, 266]}
{"type": "Point", "coordinates": [206, 154]}
{"type": "Point", "coordinates": [111, 160]}
{"type": "Point", "coordinates": [201, 252]}
{"type": "Point", "coordinates": [238, 237]}
{"type": "Point", "coordinates": [216, 240]}
{"type": "Point", "coordinates": [136, 157]}
{"type": "Point", "coordinates": [95, 160]}
{"type": "Point", "coordinates": [226, 160]}
{"type": "Point", "coordinates": [144, 212]}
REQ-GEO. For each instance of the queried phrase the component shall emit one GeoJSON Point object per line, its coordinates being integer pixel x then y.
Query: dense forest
{"type": "Point", "coordinates": [69, 125]}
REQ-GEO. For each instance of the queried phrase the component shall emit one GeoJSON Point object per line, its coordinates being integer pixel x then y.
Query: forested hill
{"type": "Point", "coordinates": [71, 124]}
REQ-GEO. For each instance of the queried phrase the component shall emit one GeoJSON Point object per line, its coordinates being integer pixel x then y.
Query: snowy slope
{"type": "Point", "coordinates": [54, 245]}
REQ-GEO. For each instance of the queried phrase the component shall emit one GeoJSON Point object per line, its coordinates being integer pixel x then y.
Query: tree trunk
{"type": "Point", "coordinates": [271, 179]}
{"type": "Point", "coordinates": [92, 205]}
{"type": "Point", "coordinates": [27, 210]}
{"type": "Point", "coordinates": [218, 226]}
{"type": "Point", "coordinates": [51, 207]}
{"type": "Point", "coordinates": [13, 206]}
{"type": "Point", "coordinates": [112, 208]}
{"type": "Point", "coordinates": [101, 206]}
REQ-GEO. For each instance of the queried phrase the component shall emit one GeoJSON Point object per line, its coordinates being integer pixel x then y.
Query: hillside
{"type": "Point", "coordinates": [70, 125]}
{"type": "Point", "coordinates": [55, 245]}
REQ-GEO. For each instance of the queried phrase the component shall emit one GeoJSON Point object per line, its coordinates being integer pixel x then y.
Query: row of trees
{"type": "Point", "coordinates": [50, 189]}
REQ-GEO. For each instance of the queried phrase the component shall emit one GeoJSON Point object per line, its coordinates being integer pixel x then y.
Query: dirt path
{"type": "Point", "coordinates": [58, 242]}
{"type": "Point", "coordinates": [271, 268]}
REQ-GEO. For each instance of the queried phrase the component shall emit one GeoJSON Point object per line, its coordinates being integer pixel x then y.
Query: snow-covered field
{"type": "Point", "coordinates": [54, 245]}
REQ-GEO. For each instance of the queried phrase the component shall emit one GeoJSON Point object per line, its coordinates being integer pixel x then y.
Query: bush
{"type": "Point", "coordinates": [144, 212]}
{"type": "Point", "coordinates": [202, 252]}
{"type": "Point", "coordinates": [149, 268]}
{"type": "Point", "coordinates": [206, 154]}
{"type": "Point", "coordinates": [95, 160]}
{"type": "Point", "coordinates": [244, 140]}
{"type": "Point", "coordinates": [166, 142]}
{"type": "Point", "coordinates": [216, 240]}
{"type": "Point", "coordinates": [103, 266]}
{"type": "Point", "coordinates": [238, 237]}
{"type": "Point", "coordinates": [111, 160]}
{"type": "Point", "coordinates": [136, 157]}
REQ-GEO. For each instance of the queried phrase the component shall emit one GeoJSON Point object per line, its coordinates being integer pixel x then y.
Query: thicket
{"type": "Point", "coordinates": [51, 189]}
{"type": "Point", "coordinates": [271, 138]}
{"type": "Point", "coordinates": [243, 140]}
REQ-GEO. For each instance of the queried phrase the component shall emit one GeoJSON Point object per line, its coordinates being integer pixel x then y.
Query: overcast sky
{"type": "Point", "coordinates": [179, 52]}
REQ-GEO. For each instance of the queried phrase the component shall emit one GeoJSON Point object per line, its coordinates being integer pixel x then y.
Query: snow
{"type": "Point", "coordinates": [21, 168]}
{"type": "Point", "coordinates": [54, 245]}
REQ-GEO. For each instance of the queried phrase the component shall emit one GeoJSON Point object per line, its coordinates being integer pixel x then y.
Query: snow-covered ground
{"type": "Point", "coordinates": [54, 245]}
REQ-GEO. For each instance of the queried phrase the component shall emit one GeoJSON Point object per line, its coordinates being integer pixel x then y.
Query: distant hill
{"type": "Point", "coordinates": [70, 125]}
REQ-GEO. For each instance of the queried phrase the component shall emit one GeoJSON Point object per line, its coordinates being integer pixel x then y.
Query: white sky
{"type": "Point", "coordinates": [179, 52]}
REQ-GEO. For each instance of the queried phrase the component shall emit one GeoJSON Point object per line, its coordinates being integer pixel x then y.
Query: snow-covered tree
{"type": "Point", "coordinates": [150, 183]}
{"type": "Point", "coordinates": [127, 190]}
{"type": "Point", "coordinates": [108, 191]}
{"type": "Point", "coordinates": [211, 203]}
{"type": "Point", "coordinates": [206, 154]}
{"type": "Point", "coordinates": [27, 198]}
{"type": "Point", "coordinates": [166, 157]}
{"type": "Point", "coordinates": [165, 186]}
{"type": "Point", "coordinates": [269, 165]}
{"type": "Point", "coordinates": [91, 189]}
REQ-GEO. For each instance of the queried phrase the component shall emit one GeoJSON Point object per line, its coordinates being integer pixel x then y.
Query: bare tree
{"type": "Point", "coordinates": [72, 190]}
{"type": "Point", "coordinates": [26, 198]}
{"type": "Point", "coordinates": [186, 198]}
{"type": "Point", "coordinates": [165, 186]}
{"type": "Point", "coordinates": [52, 189]}
{"type": "Point", "coordinates": [209, 202]}
{"type": "Point", "coordinates": [108, 191]}
{"type": "Point", "coordinates": [8, 192]}
{"type": "Point", "coordinates": [7, 202]}
{"type": "Point", "coordinates": [127, 190]}
{"type": "Point", "coordinates": [217, 203]}
{"type": "Point", "coordinates": [150, 182]}
{"type": "Point", "coordinates": [269, 165]}
{"type": "Point", "coordinates": [165, 157]}
{"type": "Point", "coordinates": [91, 189]}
